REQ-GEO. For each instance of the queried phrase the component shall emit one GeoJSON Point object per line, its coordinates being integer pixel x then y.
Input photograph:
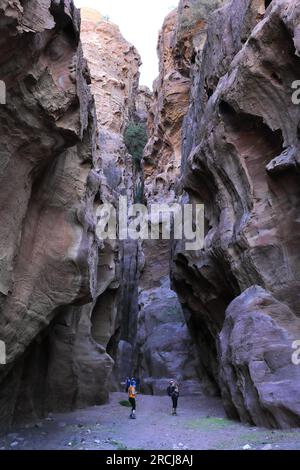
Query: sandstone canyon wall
{"type": "Point", "coordinates": [165, 348]}
{"type": "Point", "coordinates": [61, 157]}
{"type": "Point", "coordinates": [240, 293]}
{"type": "Point", "coordinates": [78, 314]}
{"type": "Point", "coordinates": [114, 64]}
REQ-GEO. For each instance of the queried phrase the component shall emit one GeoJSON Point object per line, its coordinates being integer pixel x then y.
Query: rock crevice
{"type": "Point", "coordinates": [240, 146]}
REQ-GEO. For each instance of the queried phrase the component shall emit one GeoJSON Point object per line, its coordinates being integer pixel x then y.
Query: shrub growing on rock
{"type": "Point", "coordinates": [135, 138]}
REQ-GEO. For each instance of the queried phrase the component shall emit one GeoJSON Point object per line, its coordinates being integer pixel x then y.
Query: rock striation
{"type": "Point", "coordinates": [77, 314]}
{"type": "Point", "coordinates": [240, 293]}
{"type": "Point", "coordinates": [60, 286]}
{"type": "Point", "coordinates": [164, 345]}
{"type": "Point", "coordinates": [49, 181]}
{"type": "Point", "coordinates": [181, 39]}
{"type": "Point", "coordinates": [114, 64]}
{"type": "Point", "coordinates": [162, 155]}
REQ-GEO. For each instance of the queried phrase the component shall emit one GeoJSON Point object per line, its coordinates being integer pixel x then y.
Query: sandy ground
{"type": "Point", "coordinates": [200, 424]}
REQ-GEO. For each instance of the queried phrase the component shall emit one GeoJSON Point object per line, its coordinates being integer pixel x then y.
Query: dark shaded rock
{"type": "Point", "coordinates": [259, 382]}
{"type": "Point", "coordinates": [164, 348]}
{"type": "Point", "coordinates": [241, 119]}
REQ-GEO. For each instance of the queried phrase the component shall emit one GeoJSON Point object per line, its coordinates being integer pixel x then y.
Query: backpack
{"type": "Point", "coordinates": [131, 391]}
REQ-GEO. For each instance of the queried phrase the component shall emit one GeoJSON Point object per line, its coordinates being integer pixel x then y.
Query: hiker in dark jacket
{"type": "Point", "coordinates": [173, 392]}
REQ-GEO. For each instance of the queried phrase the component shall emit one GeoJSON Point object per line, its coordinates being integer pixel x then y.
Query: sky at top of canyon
{"type": "Point", "coordinates": [139, 22]}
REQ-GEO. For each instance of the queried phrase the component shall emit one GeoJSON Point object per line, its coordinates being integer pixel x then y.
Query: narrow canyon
{"type": "Point", "coordinates": [79, 314]}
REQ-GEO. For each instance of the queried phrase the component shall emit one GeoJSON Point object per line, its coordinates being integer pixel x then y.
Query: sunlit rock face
{"type": "Point", "coordinates": [54, 271]}
{"type": "Point", "coordinates": [241, 159]}
{"type": "Point", "coordinates": [114, 64]}
{"type": "Point", "coordinates": [171, 92]}
{"type": "Point", "coordinates": [181, 39]}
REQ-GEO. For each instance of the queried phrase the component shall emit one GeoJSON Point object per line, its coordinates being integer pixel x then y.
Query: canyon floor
{"type": "Point", "coordinates": [201, 424]}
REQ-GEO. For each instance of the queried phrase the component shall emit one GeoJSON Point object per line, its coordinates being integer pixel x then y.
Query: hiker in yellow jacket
{"type": "Point", "coordinates": [131, 397]}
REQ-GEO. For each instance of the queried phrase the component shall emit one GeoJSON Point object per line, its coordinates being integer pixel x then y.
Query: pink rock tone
{"type": "Point", "coordinates": [171, 98]}
{"type": "Point", "coordinates": [114, 64]}
{"type": "Point", "coordinates": [54, 271]}
{"type": "Point", "coordinates": [182, 37]}
{"type": "Point", "coordinates": [79, 314]}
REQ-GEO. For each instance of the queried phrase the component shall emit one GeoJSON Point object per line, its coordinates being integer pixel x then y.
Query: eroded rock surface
{"type": "Point", "coordinates": [240, 158]}
{"type": "Point", "coordinates": [114, 65]}
{"type": "Point", "coordinates": [182, 38]}
{"type": "Point", "coordinates": [164, 345]}
{"type": "Point", "coordinates": [171, 92]}
{"type": "Point", "coordinates": [59, 284]}
{"type": "Point", "coordinates": [69, 304]}
{"type": "Point", "coordinates": [259, 382]}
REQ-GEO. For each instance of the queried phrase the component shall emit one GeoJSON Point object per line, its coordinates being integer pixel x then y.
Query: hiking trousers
{"type": "Point", "coordinates": [133, 404]}
{"type": "Point", "coordinates": [175, 401]}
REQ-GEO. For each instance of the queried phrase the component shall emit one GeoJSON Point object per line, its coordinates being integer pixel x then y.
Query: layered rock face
{"type": "Point", "coordinates": [114, 64]}
{"type": "Point", "coordinates": [56, 277]}
{"type": "Point", "coordinates": [164, 346]}
{"type": "Point", "coordinates": [241, 159]}
{"type": "Point", "coordinates": [224, 131]}
{"type": "Point", "coordinates": [162, 155]}
{"type": "Point", "coordinates": [182, 37]}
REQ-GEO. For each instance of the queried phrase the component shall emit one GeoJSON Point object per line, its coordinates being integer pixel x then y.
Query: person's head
{"type": "Point", "coordinates": [133, 381]}
{"type": "Point", "coordinates": [172, 382]}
